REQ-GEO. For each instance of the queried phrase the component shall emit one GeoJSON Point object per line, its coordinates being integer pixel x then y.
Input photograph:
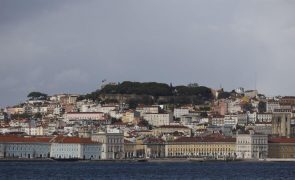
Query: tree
{"type": "Point", "coordinates": [114, 120]}
{"type": "Point", "coordinates": [204, 114]}
{"type": "Point", "coordinates": [38, 115]}
{"type": "Point", "coordinates": [20, 116]}
{"type": "Point", "coordinates": [133, 103]}
{"type": "Point", "coordinates": [37, 96]}
{"type": "Point", "coordinates": [262, 107]}
{"type": "Point", "coordinates": [224, 95]}
{"type": "Point", "coordinates": [247, 107]}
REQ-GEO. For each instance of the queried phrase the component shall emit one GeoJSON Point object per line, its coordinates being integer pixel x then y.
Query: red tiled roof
{"type": "Point", "coordinates": [281, 140]}
{"type": "Point", "coordinates": [205, 139]}
{"type": "Point", "coordinates": [173, 126]}
{"type": "Point", "coordinates": [217, 116]}
{"type": "Point", "coordinates": [57, 139]}
{"type": "Point", "coordinates": [153, 140]}
{"type": "Point", "coordinates": [11, 138]}
{"type": "Point", "coordinates": [72, 140]}
{"type": "Point", "coordinates": [85, 113]}
{"type": "Point", "coordinates": [120, 123]}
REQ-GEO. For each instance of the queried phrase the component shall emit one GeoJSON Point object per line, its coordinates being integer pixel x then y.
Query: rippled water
{"type": "Point", "coordinates": [146, 170]}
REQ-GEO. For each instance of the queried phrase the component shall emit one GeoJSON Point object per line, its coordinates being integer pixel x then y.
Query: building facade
{"type": "Point", "coordinates": [252, 146]}
{"type": "Point", "coordinates": [281, 148]}
{"type": "Point", "coordinates": [112, 141]}
{"type": "Point", "coordinates": [158, 119]}
{"type": "Point", "coordinates": [210, 147]}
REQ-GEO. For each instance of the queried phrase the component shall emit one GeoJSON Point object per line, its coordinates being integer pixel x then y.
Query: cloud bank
{"type": "Point", "coordinates": [70, 46]}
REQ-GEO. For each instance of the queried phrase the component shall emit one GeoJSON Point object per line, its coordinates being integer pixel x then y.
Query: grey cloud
{"type": "Point", "coordinates": [70, 46]}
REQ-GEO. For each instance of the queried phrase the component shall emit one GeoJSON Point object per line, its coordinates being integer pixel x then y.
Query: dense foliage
{"type": "Point", "coordinates": [150, 92]}
{"type": "Point", "coordinates": [37, 96]}
{"type": "Point", "coordinates": [262, 107]}
{"type": "Point", "coordinates": [157, 89]}
{"type": "Point", "coordinates": [149, 88]}
{"type": "Point", "coordinates": [224, 95]}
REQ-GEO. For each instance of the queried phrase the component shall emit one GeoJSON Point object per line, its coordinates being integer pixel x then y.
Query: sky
{"type": "Point", "coordinates": [70, 46]}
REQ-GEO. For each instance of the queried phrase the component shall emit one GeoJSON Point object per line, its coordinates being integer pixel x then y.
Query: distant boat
{"type": "Point", "coordinates": [66, 159]}
{"type": "Point", "coordinates": [196, 159]}
{"type": "Point", "coordinates": [142, 160]}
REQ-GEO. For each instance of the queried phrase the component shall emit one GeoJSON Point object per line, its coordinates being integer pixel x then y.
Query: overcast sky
{"type": "Point", "coordinates": [57, 46]}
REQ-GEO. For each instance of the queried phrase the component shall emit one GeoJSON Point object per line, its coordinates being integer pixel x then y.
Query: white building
{"type": "Point", "coordinates": [24, 147]}
{"type": "Point", "coordinates": [271, 105]}
{"type": "Point", "coordinates": [148, 109]}
{"type": "Point", "coordinates": [178, 112]}
{"type": "Point", "coordinates": [34, 131]}
{"type": "Point", "coordinates": [264, 117]}
{"type": "Point", "coordinates": [217, 120]}
{"type": "Point", "coordinates": [251, 93]}
{"type": "Point", "coordinates": [230, 120]}
{"type": "Point", "coordinates": [74, 116]}
{"type": "Point", "coordinates": [107, 109]}
{"type": "Point", "coordinates": [251, 146]}
{"type": "Point", "coordinates": [112, 141]}
{"type": "Point", "coordinates": [234, 106]}
{"type": "Point", "coordinates": [252, 116]}
{"type": "Point", "coordinates": [242, 119]}
{"type": "Point", "coordinates": [190, 118]}
{"type": "Point", "coordinates": [1, 117]}
{"type": "Point", "coordinates": [75, 147]}
{"type": "Point", "coordinates": [240, 90]}
{"type": "Point", "coordinates": [158, 119]}
{"type": "Point", "coordinates": [46, 147]}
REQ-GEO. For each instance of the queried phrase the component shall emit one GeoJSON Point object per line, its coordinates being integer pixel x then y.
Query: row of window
{"type": "Point", "coordinates": [201, 150]}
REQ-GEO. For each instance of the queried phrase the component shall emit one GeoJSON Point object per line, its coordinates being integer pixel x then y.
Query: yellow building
{"type": "Point", "coordinates": [213, 146]}
{"type": "Point", "coordinates": [149, 148]}
{"type": "Point", "coordinates": [281, 148]}
{"type": "Point", "coordinates": [131, 117]}
{"type": "Point", "coordinates": [15, 110]}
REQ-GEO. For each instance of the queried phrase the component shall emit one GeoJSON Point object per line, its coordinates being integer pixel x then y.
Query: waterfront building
{"type": "Point", "coordinates": [24, 147]}
{"type": "Point", "coordinates": [154, 148]}
{"type": "Point", "coordinates": [134, 149]}
{"type": "Point", "coordinates": [213, 146]}
{"type": "Point", "coordinates": [281, 148]}
{"type": "Point", "coordinates": [112, 141]}
{"type": "Point", "coordinates": [48, 147]}
{"type": "Point", "coordinates": [74, 147]}
{"type": "Point", "coordinates": [251, 145]}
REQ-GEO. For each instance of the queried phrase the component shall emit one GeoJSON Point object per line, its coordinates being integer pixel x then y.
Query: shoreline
{"type": "Point", "coordinates": [159, 160]}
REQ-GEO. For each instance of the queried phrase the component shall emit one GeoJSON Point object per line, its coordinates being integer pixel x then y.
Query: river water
{"type": "Point", "coordinates": [147, 170]}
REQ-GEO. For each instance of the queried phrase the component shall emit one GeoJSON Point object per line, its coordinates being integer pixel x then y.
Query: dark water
{"type": "Point", "coordinates": [144, 170]}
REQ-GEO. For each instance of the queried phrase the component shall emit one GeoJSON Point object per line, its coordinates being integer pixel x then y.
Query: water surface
{"type": "Point", "coordinates": [146, 170]}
